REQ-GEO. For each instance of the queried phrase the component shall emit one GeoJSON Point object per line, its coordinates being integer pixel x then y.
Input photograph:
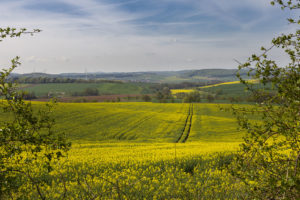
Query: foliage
{"type": "Point", "coordinates": [192, 97]}
{"type": "Point", "coordinates": [146, 98]}
{"type": "Point", "coordinates": [13, 32]}
{"type": "Point", "coordinates": [163, 94]}
{"type": "Point", "coordinates": [39, 78]}
{"type": "Point", "coordinates": [269, 161]}
{"type": "Point", "coordinates": [29, 95]}
{"type": "Point", "coordinates": [27, 138]}
{"type": "Point", "coordinates": [87, 92]}
{"type": "Point", "coordinates": [210, 98]}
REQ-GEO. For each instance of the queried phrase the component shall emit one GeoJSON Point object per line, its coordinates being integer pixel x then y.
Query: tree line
{"type": "Point", "coordinates": [41, 80]}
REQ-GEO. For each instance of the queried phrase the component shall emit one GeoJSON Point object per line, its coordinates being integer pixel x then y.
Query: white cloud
{"type": "Point", "coordinates": [34, 59]}
{"type": "Point", "coordinates": [104, 39]}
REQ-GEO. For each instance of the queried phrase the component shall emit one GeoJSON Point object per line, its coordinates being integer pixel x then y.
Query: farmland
{"type": "Point", "coordinates": [149, 170]}
{"type": "Point", "coordinates": [143, 150]}
{"type": "Point", "coordinates": [232, 89]}
{"type": "Point", "coordinates": [117, 91]}
{"type": "Point", "coordinates": [67, 89]}
{"type": "Point", "coordinates": [143, 122]}
{"type": "Point", "coordinates": [176, 91]}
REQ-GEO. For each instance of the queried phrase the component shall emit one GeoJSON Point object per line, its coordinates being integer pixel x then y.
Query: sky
{"type": "Point", "coordinates": [137, 35]}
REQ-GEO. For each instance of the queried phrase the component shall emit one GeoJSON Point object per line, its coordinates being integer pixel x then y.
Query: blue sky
{"type": "Point", "coordinates": [138, 35]}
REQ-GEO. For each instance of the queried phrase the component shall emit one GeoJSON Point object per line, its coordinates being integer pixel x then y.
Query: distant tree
{"type": "Point", "coordinates": [232, 99]}
{"type": "Point", "coordinates": [180, 95]}
{"type": "Point", "coordinates": [91, 92]}
{"type": "Point", "coordinates": [166, 93]}
{"type": "Point", "coordinates": [269, 158]}
{"type": "Point", "coordinates": [75, 94]}
{"type": "Point", "coordinates": [192, 97]}
{"type": "Point", "coordinates": [172, 99]}
{"type": "Point", "coordinates": [29, 95]}
{"type": "Point", "coordinates": [146, 98]}
{"type": "Point", "coordinates": [159, 96]}
{"type": "Point", "coordinates": [163, 95]}
{"type": "Point", "coordinates": [219, 92]}
{"type": "Point", "coordinates": [210, 98]}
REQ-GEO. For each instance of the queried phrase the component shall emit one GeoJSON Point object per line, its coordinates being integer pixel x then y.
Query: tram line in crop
{"type": "Point", "coordinates": [187, 126]}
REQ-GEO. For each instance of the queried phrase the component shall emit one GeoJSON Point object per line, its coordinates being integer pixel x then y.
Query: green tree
{"type": "Point", "coordinates": [166, 92]}
{"type": "Point", "coordinates": [159, 95]}
{"type": "Point", "coordinates": [91, 92]}
{"type": "Point", "coordinates": [146, 98]}
{"type": "Point", "coordinates": [28, 143]}
{"type": "Point", "coordinates": [210, 98]}
{"type": "Point", "coordinates": [192, 97]}
{"type": "Point", "coordinates": [269, 158]}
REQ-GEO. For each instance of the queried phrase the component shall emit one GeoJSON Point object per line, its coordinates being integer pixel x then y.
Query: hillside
{"type": "Point", "coordinates": [75, 89]}
{"type": "Point", "coordinates": [201, 75]}
{"type": "Point", "coordinates": [144, 122]}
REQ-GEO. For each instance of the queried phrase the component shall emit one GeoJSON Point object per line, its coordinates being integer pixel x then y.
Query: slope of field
{"type": "Point", "coordinates": [103, 88]}
{"type": "Point", "coordinates": [219, 84]}
{"type": "Point", "coordinates": [232, 89]}
{"type": "Point", "coordinates": [210, 124]}
{"type": "Point", "coordinates": [144, 122]}
{"type": "Point", "coordinates": [201, 75]}
{"type": "Point", "coordinates": [121, 121]}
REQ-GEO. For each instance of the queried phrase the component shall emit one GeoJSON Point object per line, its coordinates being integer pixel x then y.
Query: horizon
{"type": "Point", "coordinates": [128, 71]}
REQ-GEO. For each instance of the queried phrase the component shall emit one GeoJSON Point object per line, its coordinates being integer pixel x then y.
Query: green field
{"type": "Point", "coordinates": [42, 90]}
{"type": "Point", "coordinates": [232, 89]}
{"type": "Point", "coordinates": [144, 122]}
{"type": "Point", "coordinates": [235, 89]}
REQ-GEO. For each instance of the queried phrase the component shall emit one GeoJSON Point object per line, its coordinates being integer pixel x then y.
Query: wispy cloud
{"type": "Point", "coordinates": [133, 35]}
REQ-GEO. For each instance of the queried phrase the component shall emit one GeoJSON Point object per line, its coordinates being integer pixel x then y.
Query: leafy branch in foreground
{"type": "Point", "coordinates": [14, 32]}
{"type": "Point", "coordinates": [269, 158]}
{"type": "Point", "coordinates": [28, 144]}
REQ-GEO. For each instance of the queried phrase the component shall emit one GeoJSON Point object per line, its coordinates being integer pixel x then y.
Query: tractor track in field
{"type": "Point", "coordinates": [187, 126]}
{"type": "Point", "coordinates": [190, 124]}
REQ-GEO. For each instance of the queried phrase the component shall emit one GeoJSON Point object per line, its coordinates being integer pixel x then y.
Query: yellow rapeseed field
{"type": "Point", "coordinates": [228, 83]}
{"type": "Point", "coordinates": [129, 151]}
{"type": "Point", "coordinates": [176, 91]}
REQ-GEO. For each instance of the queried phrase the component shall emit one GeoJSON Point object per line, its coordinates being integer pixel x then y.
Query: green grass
{"type": "Point", "coordinates": [104, 88]}
{"type": "Point", "coordinates": [227, 90]}
{"type": "Point", "coordinates": [232, 90]}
